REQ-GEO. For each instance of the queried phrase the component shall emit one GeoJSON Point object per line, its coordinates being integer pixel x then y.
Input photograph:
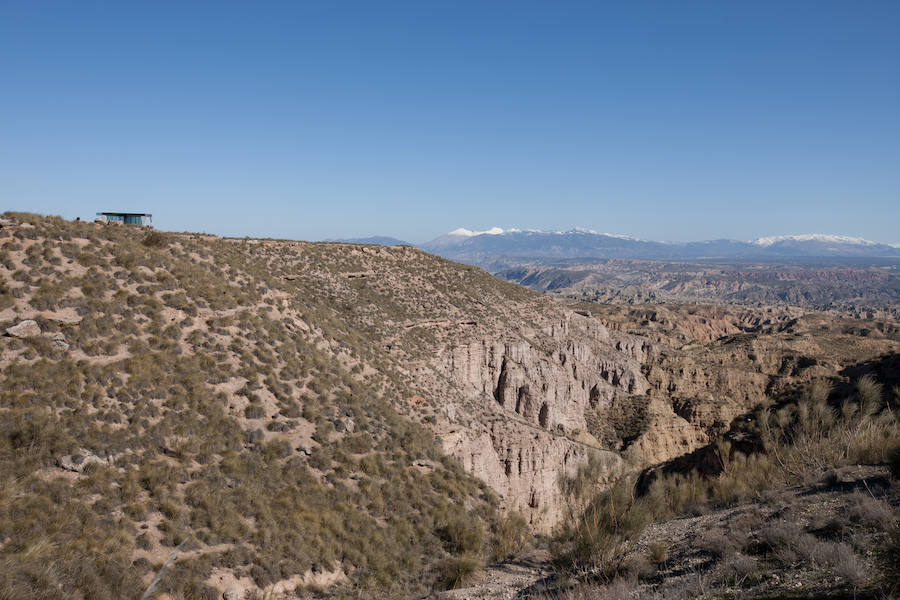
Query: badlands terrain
{"type": "Point", "coordinates": [864, 288]}
{"type": "Point", "coordinates": [824, 272]}
{"type": "Point", "coordinates": [185, 416]}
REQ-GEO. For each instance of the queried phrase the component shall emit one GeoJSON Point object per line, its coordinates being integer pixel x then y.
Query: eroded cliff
{"type": "Point", "coordinates": [531, 391]}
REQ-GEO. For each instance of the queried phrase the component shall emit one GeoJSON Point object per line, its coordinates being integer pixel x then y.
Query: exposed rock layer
{"type": "Point", "coordinates": [535, 392]}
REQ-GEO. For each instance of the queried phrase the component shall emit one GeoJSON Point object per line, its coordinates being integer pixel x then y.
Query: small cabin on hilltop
{"type": "Point", "coordinates": [140, 219]}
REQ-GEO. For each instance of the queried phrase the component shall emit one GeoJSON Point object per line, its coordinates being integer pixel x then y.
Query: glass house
{"type": "Point", "coordinates": [141, 219]}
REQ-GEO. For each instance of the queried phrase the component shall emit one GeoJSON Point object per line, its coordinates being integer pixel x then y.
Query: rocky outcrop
{"type": "Point", "coordinates": [549, 384]}
{"type": "Point", "coordinates": [58, 341]}
{"type": "Point", "coordinates": [663, 435]}
{"type": "Point", "coordinates": [536, 391]}
{"type": "Point", "coordinates": [566, 387]}
{"type": "Point", "coordinates": [78, 461]}
{"type": "Point", "coordinates": [708, 395]}
{"type": "Point", "coordinates": [24, 329]}
{"type": "Point", "coordinates": [523, 465]}
{"type": "Point", "coordinates": [29, 328]}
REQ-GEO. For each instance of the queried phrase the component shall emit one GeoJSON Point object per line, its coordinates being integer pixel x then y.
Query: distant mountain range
{"type": "Point", "coordinates": [493, 245]}
{"type": "Point", "coordinates": [378, 240]}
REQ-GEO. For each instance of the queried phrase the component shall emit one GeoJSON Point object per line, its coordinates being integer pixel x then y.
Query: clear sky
{"type": "Point", "coordinates": [663, 120]}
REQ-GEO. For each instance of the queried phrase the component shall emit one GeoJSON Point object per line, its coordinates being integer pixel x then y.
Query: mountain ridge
{"type": "Point", "coordinates": [484, 247]}
{"type": "Point", "coordinates": [377, 240]}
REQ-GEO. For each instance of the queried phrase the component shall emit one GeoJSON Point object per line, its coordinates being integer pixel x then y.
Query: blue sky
{"type": "Point", "coordinates": [663, 120]}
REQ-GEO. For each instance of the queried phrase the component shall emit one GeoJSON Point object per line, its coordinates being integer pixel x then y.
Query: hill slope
{"type": "Point", "coordinates": [277, 404]}
{"type": "Point", "coordinates": [192, 388]}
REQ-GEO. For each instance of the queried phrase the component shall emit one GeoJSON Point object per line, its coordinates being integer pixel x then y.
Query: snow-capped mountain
{"type": "Point", "coordinates": [474, 246]}
{"type": "Point", "coordinates": [462, 232]}
{"type": "Point", "coordinates": [820, 244]}
{"type": "Point", "coordinates": [455, 237]}
{"type": "Point", "coordinates": [814, 237]}
{"type": "Point", "coordinates": [496, 243]}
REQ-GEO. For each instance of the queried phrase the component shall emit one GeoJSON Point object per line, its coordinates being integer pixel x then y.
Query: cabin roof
{"type": "Point", "coordinates": [125, 214]}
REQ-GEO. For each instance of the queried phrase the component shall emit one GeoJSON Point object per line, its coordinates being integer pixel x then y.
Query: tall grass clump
{"type": "Point", "coordinates": [813, 435]}
{"type": "Point", "coordinates": [798, 443]}
{"type": "Point", "coordinates": [595, 541]}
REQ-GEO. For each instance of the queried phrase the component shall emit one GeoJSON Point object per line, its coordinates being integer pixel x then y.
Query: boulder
{"type": "Point", "coordinates": [58, 341]}
{"type": "Point", "coordinates": [342, 425]}
{"type": "Point", "coordinates": [78, 461]}
{"type": "Point", "coordinates": [230, 594]}
{"type": "Point", "coordinates": [24, 329]}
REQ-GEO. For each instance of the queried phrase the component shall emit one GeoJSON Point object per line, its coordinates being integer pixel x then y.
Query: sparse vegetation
{"type": "Point", "coordinates": [164, 325]}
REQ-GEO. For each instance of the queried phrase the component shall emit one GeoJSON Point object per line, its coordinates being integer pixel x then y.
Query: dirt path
{"type": "Point", "coordinates": [504, 581]}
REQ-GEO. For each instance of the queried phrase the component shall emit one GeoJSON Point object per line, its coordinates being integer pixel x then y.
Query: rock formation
{"type": "Point", "coordinates": [534, 392]}
{"type": "Point", "coordinates": [24, 329]}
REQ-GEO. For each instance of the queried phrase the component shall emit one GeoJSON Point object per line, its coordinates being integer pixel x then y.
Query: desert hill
{"type": "Point", "coordinates": [190, 388]}
{"type": "Point", "coordinates": [260, 397]}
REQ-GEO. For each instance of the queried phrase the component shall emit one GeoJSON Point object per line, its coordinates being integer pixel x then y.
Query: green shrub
{"type": "Point", "coordinates": [657, 552]}
{"type": "Point", "coordinates": [599, 538]}
{"type": "Point", "coordinates": [254, 411]}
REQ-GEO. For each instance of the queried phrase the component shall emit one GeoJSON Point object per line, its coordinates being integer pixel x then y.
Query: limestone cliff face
{"type": "Point", "coordinates": [536, 390]}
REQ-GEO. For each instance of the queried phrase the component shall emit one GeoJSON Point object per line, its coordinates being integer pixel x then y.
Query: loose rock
{"type": "Point", "coordinates": [78, 461]}
{"type": "Point", "coordinates": [58, 341]}
{"type": "Point", "coordinates": [24, 329]}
